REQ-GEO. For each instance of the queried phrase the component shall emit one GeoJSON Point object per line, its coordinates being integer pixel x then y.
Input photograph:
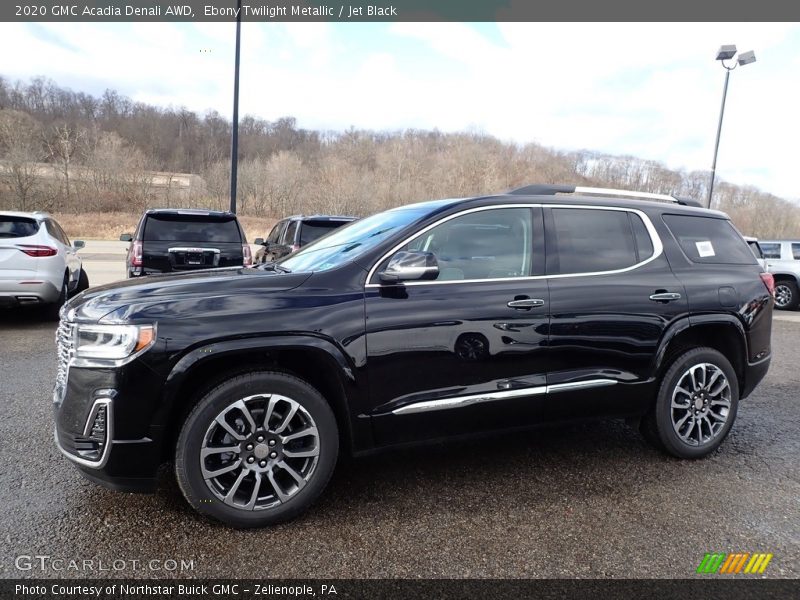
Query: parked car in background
{"type": "Point", "coordinates": [755, 247]}
{"type": "Point", "coordinates": [445, 318]}
{"type": "Point", "coordinates": [170, 240]}
{"type": "Point", "coordinates": [292, 233]}
{"type": "Point", "coordinates": [38, 264]}
{"type": "Point", "coordinates": [783, 261]}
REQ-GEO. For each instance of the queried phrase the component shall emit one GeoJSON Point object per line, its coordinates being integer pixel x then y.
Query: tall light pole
{"type": "Point", "coordinates": [235, 130]}
{"type": "Point", "coordinates": [745, 58]}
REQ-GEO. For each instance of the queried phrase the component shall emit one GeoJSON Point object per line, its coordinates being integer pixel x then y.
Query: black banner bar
{"type": "Point", "coordinates": [399, 10]}
{"type": "Point", "coordinates": [706, 588]}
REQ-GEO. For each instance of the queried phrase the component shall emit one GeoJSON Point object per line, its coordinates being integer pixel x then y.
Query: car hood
{"type": "Point", "coordinates": [122, 300]}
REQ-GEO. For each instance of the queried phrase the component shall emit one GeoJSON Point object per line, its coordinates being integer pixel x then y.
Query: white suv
{"type": "Point", "coordinates": [38, 265]}
{"type": "Point", "coordinates": [783, 261]}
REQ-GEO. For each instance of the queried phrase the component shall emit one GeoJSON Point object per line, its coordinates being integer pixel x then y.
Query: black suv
{"type": "Point", "coordinates": [292, 233]}
{"type": "Point", "coordinates": [423, 322]}
{"type": "Point", "coordinates": [177, 239]}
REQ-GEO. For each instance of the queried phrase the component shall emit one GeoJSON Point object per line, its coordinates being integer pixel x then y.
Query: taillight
{"type": "Point", "coordinates": [769, 281]}
{"type": "Point", "coordinates": [248, 257]}
{"type": "Point", "coordinates": [136, 254]}
{"type": "Point", "coordinates": [38, 251]}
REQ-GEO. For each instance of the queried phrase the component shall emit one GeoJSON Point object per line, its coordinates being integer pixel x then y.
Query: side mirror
{"type": "Point", "coordinates": [410, 266]}
{"type": "Point", "coordinates": [259, 241]}
{"type": "Point", "coordinates": [78, 244]}
{"type": "Point", "coordinates": [126, 237]}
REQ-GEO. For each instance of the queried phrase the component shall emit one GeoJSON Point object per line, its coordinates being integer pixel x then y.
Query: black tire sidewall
{"type": "Point", "coordinates": [667, 435]}
{"type": "Point", "coordinates": [187, 464]}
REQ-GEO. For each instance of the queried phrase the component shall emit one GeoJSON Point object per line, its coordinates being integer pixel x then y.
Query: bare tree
{"type": "Point", "coordinates": [21, 153]}
{"type": "Point", "coordinates": [63, 143]}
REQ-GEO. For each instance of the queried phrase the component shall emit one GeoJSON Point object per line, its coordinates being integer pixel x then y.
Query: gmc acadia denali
{"type": "Point", "coordinates": [423, 322]}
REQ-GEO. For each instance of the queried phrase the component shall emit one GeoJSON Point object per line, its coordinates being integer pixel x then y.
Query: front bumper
{"type": "Point", "coordinates": [102, 424]}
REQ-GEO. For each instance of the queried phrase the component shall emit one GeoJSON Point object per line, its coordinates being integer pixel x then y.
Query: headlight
{"type": "Point", "coordinates": [112, 342]}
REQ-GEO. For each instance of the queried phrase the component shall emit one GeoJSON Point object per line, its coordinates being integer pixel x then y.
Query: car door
{"type": "Point", "coordinates": [467, 351]}
{"type": "Point", "coordinates": [612, 295]}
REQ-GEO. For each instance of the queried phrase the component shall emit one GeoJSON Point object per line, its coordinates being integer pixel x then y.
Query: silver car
{"type": "Point", "coordinates": [38, 264]}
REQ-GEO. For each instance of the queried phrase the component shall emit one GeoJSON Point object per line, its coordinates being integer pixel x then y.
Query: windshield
{"type": "Point", "coordinates": [352, 241]}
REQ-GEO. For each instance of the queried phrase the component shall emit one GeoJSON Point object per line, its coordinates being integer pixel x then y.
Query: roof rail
{"type": "Point", "coordinates": [548, 190]}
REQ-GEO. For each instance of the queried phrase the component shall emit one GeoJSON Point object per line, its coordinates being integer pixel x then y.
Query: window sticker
{"type": "Point", "coordinates": [705, 249]}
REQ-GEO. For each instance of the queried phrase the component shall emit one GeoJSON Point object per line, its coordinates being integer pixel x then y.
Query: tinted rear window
{"type": "Point", "coordinates": [589, 241]}
{"type": "Point", "coordinates": [709, 240]}
{"type": "Point", "coordinates": [16, 227]}
{"type": "Point", "coordinates": [180, 228]}
{"type": "Point", "coordinates": [312, 231]}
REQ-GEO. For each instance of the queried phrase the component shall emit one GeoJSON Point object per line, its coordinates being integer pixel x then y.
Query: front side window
{"type": "Point", "coordinates": [276, 232]}
{"type": "Point", "coordinates": [586, 240]}
{"type": "Point", "coordinates": [486, 244]}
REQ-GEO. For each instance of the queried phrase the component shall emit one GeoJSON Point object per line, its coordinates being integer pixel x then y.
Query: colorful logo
{"type": "Point", "coordinates": [742, 562]}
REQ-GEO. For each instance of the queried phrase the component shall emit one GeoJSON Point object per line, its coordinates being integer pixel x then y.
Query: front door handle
{"type": "Point", "coordinates": [665, 297]}
{"type": "Point", "coordinates": [526, 303]}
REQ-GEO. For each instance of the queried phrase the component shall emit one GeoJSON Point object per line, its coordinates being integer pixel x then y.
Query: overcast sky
{"type": "Point", "coordinates": [649, 90]}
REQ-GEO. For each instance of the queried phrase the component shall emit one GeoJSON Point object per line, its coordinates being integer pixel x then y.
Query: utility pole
{"type": "Point", "coordinates": [235, 130]}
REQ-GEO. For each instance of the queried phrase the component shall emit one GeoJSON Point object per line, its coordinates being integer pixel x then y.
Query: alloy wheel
{"type": "Point", "coordinates": [701, 403]}
{"type": "Point", "coordinates": [783, 295]}
{"type": "Point", "coordinates": [259, 452]}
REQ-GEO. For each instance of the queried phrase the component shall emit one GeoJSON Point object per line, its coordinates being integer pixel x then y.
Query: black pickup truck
{"type": "Point", "coordinates": [168, 240]}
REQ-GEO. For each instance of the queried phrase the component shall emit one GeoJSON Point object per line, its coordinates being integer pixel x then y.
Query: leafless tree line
{"type": "Point", "coordinates": [67, 151]}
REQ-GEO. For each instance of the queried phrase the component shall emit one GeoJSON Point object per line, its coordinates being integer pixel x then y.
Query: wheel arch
{"type": "Point", "coordinates": [315, 360]}
{"type": "Point", "coordinates": [723, 333]}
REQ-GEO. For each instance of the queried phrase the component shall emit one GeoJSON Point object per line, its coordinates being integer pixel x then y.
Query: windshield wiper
{"type": "Point", "coordinates": [273, 266]}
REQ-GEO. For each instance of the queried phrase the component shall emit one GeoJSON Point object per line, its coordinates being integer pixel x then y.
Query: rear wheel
{"type": "Point", "coordinates": [51, 310]}
{"type": "Point", "coordinates": [787, 296]}
{"type": "Point", "coordinates": [257, 450]}
{"type": "Point", "coordinates": [83, 282]}
{"type": "Point", "coordinates": [696, 405]}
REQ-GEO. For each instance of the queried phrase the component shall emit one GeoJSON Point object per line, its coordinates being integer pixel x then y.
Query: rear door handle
{"type": "Point", "coordinates": [526, 303]}
{"type": "Point", "coordinates": [665, 297]}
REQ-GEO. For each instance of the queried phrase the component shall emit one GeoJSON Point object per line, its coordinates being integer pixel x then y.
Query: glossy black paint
{"type": "Point", "coordinates": [377, 348]}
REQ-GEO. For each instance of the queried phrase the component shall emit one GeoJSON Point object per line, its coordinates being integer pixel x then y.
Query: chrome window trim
{"type": "Point", "coordinates": [94, 464]}
{"type": "Point", "coordinates": [658, 246]}
{"type": "Point", "coordinates": [461, 401]}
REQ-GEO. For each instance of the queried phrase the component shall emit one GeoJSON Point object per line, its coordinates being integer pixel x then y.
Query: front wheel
{"type": "Point", "coordinates": [696, 404]}
{"type": "Point", "coordinates": [257, 450]}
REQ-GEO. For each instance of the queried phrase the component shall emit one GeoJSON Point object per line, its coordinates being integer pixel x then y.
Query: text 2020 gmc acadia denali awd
{"type": "Point", "coordinates": [427, 321]}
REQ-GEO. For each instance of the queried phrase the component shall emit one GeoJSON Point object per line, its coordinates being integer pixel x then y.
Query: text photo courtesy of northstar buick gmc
{"type": "Point", "coordinates": [420, 323]}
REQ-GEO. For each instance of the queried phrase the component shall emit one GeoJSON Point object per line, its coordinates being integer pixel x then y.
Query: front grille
{"type": "Point", "coordinates": [65, 350]}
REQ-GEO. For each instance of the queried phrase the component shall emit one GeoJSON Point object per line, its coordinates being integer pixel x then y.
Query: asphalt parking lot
{"type": "Point", "coordinates": [584, 500]}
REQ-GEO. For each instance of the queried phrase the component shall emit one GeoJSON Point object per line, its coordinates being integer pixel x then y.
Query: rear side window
{"type": "Point", "coordinates": [17, 227]}
{"type": "Point", "coordinates": [796, 251]}
{"type": "Point", "coordinates": [311, 231]}
{"type": "Point", "coordinates": [591, 241]}
{"type": "Point", "coordinates": [709, 240]}
{"type": "Point", "coordinates": [771, 249]}
{"type": "Point", "coordinates": [756, 249]}
{"type": "Point", "coordinates": [179, 228]}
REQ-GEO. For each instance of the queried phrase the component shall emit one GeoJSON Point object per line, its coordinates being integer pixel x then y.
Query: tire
{"type": "Point", "coordinates": [83, 282]}
{"type": "Point", "coordinates": [51, 310]}
{"type": "Point", "coordinates": [281, 495]}
{"type": "Point", "coordinates": [787, 296]}
{"type": "Point", "coordinates": [673, 427]}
